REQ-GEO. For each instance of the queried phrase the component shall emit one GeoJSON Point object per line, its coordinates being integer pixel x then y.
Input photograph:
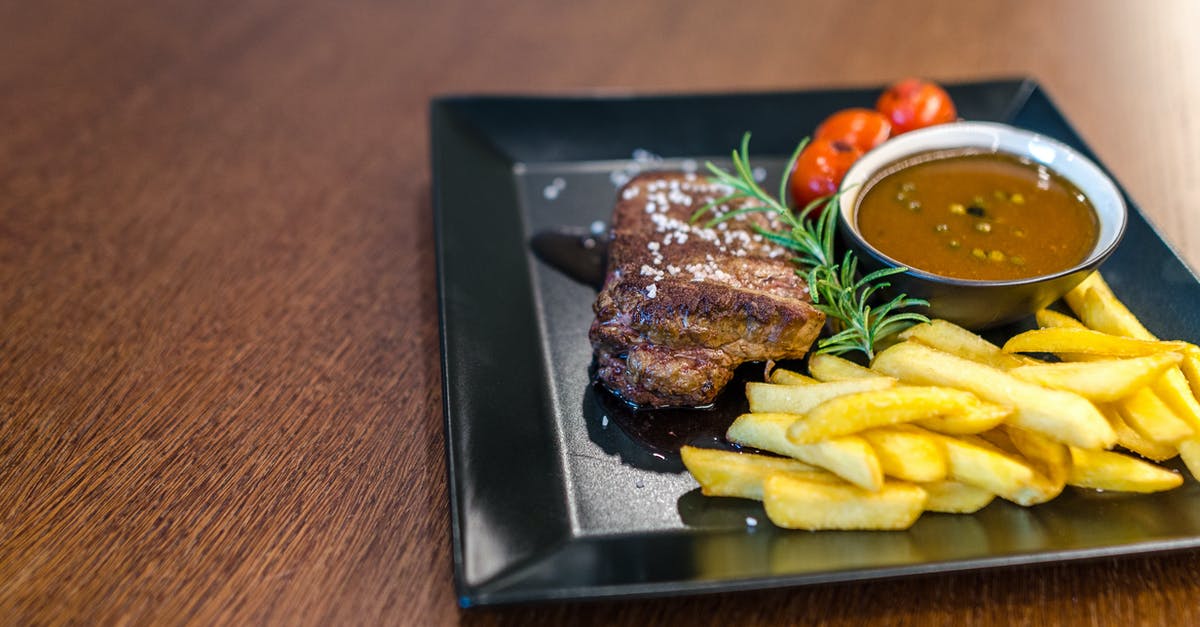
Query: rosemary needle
{"type": "Point", "coordinates": [844, 299]}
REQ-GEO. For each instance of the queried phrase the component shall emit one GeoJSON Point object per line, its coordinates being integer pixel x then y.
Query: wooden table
{"type": "Point", "coordinates": [219, 374]}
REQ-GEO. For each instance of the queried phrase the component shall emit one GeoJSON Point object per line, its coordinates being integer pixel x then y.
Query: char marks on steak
{"type": "Point", "coordinates": [683, 305]}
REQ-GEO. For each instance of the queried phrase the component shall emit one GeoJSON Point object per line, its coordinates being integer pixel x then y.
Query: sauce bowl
{"type": "Point", "coordinates": [980, 304]}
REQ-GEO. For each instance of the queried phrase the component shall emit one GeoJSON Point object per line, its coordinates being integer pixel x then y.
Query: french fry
{"type": "Point", "coordinates": [852, 413]}
{"type": "Point", "coordinates": [973, 461]}
{"type": "Point", "coordinates": [1100, 309]}
{"type": "Point", "coordinates": [850, 458]}
{"type": "Point", "coordinates": [1151, 417]}
{"type": "Point", "coordinates": [998, 424]}
{"type": "Point", "coordinates": [1041, 490]}
{"type": "Point", "coordinates": [955, 497]}
{"type": "Point", "coordinates": [1189, 451]}
{"type": "Point", "coordinates": [1102, 380]}
{"type": "Point", "coordinates": [1085, 342]}
{"type": "Point", "coordinates": [1059, 415]}
{"type": "Point", "coordinates": [1133, 441]}
{"type": "Point", "coordinates": [1036, 451]}
{"type": "Point", "coordinates": [907, 454]}
{"type": "Point", "coordinates": [1053, 320]}
{"type": "Point", "coordinates": [1074, 297]}
{"type": "Point", "coordinates": [783, 376]}
{"type": "Point", "coordinates": [967, 423]}
{"type": "Point", "coordinates": [1174, 390]}
{"type": "Point", "coordinates": [826, 367]}
{"type": "Point", "coordinates": [799, 399]}
{"type": "Point", "coordinates": [726, 473]}
{"type": "Point", "coordinates": [1168, 394]}
{"type": "Point", "coordinates": [1077, 299]}
{"type": "Point", "coordinates": [951, 338]}
{"type": "Point", "coordinates": [999, 440]}
{"type": "Point", "coordinates": [1051, 460]}
{"type": "Point", "coordinates": [1106, 470]}
{"type": "Point", "coordinates": [1191, 368]}
{"type": "Point", "coordinates": [1050, 319]}
{"type": "Point", "coordinates": [797, 504]}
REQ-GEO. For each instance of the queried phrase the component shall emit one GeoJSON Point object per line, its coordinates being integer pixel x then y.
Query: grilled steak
{"type": "Point", "coordinates": [683, 305]}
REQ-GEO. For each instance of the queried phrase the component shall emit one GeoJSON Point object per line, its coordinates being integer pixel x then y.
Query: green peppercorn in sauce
{"type": "Point", "coordinates": [977, 216]}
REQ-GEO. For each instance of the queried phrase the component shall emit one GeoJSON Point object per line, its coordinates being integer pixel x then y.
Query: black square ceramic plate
{"type": "Point", "coordinates": [552, 499]}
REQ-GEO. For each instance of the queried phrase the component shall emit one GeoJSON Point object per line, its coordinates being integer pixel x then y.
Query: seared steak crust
{"type": "Point", "coordinates": [683, 305]}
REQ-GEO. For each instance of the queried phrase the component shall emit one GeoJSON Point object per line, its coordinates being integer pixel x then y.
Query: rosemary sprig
{"type": "Point", "coordinates": [845, 300]}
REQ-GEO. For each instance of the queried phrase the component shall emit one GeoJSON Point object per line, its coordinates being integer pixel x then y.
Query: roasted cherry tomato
{"type": "Point", "coordinates": [913, 103]}
{"type": "Point", "coordinates": [820, 169]}
{"type": "Point", "coordinates": [862, 128]}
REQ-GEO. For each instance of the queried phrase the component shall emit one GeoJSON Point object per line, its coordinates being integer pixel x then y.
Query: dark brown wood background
{"type": "Point", "coordinates": [219, 379]}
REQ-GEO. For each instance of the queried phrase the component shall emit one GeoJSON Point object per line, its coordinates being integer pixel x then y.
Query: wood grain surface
{"type": "Point", "coordinates": [219, 372]}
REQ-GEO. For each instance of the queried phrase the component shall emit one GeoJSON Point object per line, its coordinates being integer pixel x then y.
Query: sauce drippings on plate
{"type": "Point", "coordinates": [977, 216]}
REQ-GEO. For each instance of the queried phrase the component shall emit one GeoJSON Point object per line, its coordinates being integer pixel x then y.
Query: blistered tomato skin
{"type": "Point", "coordinates": [862, 128]}
{"type": "Point", "coordinates": [913, 103]}
{"type": "Point", "coordinates": [820, 169]}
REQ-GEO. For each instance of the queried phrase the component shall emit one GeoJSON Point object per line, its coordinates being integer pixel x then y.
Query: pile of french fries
{"type": "Point", "coordinates": [946, 421]}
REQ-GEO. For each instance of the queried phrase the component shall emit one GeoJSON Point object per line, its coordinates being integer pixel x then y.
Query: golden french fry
{"type": "Point", "coordinates": [1085, 342]}
{"type": "Point", "coordinates": [726, 473]}
{"type": "Point", "coordinates": [1191, 368]}
{"type": "Point", "coordinates": [1146, 390]}
{"type": "Point", "coordinates": [852, 413]}
{"type": "Point", "coordinates": [1048, 480]}
{"type": "Point", "coordinates": [799, 399]}
{"type": "Point", "coordinates": [955, 497]}
{"type": "Point", "coordinates": [1133, 441]}
{"type": "Point", "coordinates": [951, 338]}
{"type": "Point", "coordinates": [1059, 415]}
{"type": "Point", "coordinates": [1100, 309]}
{"type": "Point", "coordinates": [1105, 470]}
{"type": "Point", "coordinates": [907, 454]}
{"type": "Point", "coordinates": [1041, 490]}
{"type": "Point", "coordinates": [1103, 305]}
{"type": "Point", "coordinates": [999, 440]}
{"type": "Point", "coordinates": [1050, 319]}
{"type": "Point", "coordinates": [1025, 428]}
{"type": "Point", "coordinates": [1074, 297]}
{"type": "Point", "coordinates": [1101, 380]}
{"type": "Point", "coordinates": [797, 504]}
{"type": "Point", "coordinates": [1189, 451]}
{"type": "Point", "coordinates": [1050, 459]}
{"type": "Point", "coordinates": [850, 458]}
{"type": "Point", "coordinates": [973, 461]}
{"type": "Point", "coordinates": [967, 423]}
{"type": "Point", "coordinates": [783, 376]}
{"type": "Point", "coordinates": [1175, 398]}
{"type": "Point", "coordinates": [1174, 390]}
{"type": "Point", "coordinates": [1151, 417]}
{"type": "Point", "coordinates": [826, 367]}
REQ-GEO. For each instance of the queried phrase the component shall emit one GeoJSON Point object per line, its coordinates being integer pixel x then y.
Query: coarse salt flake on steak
{"type": "Point", "coordinates": [684, 304]}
